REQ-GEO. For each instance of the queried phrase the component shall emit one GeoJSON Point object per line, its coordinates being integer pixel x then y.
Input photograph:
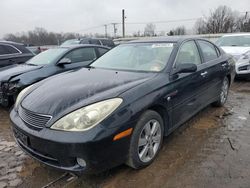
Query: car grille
{"type": "Point", "coordinates": [246, 67]}
{"type": "Point", "coordinates": [33, 119]}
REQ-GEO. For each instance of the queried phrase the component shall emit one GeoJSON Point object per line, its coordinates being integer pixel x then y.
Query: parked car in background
{"type": "Point", "coordinates": [118, 110]}
{"type": "Point", "coordinates": [13, 53]}
{"type": "Point", "coordinates": [53, 61]}
{"type": "Point", "coordinates": [238, 45]}
{"type": "Point", "coordinates": [97, 41]}
{"type": "Point", "coordinates": [34, 49]}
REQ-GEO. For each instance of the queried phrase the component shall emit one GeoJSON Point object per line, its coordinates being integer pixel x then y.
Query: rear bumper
{"type": "Point", "coordinates": [61, 149]}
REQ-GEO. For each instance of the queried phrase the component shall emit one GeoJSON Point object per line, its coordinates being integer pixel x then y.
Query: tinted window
{"type": "Point", "coordinates": [81, 54]}
{"type": "Point", "coordinates": [11, 50]}
{"type": "Point", "coordinates": [3, 50]}
{"type": "Point", "coordinates": [208, 51]}
{"type": "Point", "coordinates": [85, 41]}
{"type": "Point", "coordinates": [109, 43]}
{"type": "Point", "coordinates": [188, 53]}
{"type": "Point", "coordinates": [95, 41]}
{"type": "Point", "coordinates": [102, 51]}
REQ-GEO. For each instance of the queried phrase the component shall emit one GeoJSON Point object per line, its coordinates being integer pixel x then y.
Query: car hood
{"type": "Point", "coordinates": [9, 72]}
{"type": "Point", "coordinates": [67, 92]}
{"type": "Point", "coordinates": [235, 50]}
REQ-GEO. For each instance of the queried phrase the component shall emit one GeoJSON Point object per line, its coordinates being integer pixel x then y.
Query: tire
{"type": "Point", "coordinates": [144, 155]}
{"type": "Point", "coordinates": [223, 93]}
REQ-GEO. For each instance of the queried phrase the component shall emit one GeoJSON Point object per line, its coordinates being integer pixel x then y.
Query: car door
{"type": "Point", "coordinates": [186, 85]}
{"type": "Point", "coordinates": [5, 59]}
{"type": "Point", "coordinates": [80, 57]}
{"type": "Point", "coordinates": [214, 71]}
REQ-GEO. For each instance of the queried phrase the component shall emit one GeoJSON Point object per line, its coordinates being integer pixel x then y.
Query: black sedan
{"type": "Point", "coordinates": [13, 53]}
{"type": "Point", "coordinates": [53, 61]}
{"type": "Point", "coordinates": [118, 110]}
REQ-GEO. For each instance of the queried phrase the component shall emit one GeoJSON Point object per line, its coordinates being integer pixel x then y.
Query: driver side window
{"type": "Point", "coordinates": [81, 55]}
{"type": "Point", "coordinates": [188, 53]}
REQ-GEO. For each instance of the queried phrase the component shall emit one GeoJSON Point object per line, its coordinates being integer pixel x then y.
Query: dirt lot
{"type": "Point", "coordinates": [210, 150]}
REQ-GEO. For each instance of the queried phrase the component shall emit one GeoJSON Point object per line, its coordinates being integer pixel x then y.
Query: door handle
{"type": "Point", "coordinates": [204, 73]}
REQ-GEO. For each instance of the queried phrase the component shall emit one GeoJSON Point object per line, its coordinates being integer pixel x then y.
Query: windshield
{"type": "Point", "coordinates": [47, 57]}
{"type": "Point", "coordinates": [234, 41]}
{"type": "Point", "coordinates": [136, 57]}
{"type": "Point", "coordinates": [70, 42]}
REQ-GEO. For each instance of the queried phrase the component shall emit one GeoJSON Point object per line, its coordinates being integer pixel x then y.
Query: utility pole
{"type": "Point", "coordinates": [115, 29]}
{"type": "Point", "coordinates": [106, 32]}
{"type": "Point", "coordinates": [123, 23]}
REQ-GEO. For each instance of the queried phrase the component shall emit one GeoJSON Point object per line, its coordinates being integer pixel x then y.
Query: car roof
{"type": "Point", "coordinates": [82, 45]}
{"type": "Point", "coordinates": [173, 39]}
{"type": "Point", "coordinates": [10, 42]}
{"type": "Point", "coordinates": [236, 34]}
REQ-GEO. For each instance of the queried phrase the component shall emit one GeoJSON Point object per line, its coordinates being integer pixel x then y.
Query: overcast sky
{"type": "Point", "coordinates": [82, 15]}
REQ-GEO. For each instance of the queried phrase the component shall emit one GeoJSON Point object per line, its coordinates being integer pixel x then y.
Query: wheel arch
{"type": "Point", "coordinates": [164, 115]}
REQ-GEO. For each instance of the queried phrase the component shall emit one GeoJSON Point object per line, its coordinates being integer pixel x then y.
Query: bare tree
{"type": "Point", "coordinates": [200, 26]}
{"type": "Point", "coordinates": [181, 30]}
{"type": "Point", "coordinates": [149, 29]}
{"type": "Point", "coordinates": [40, 36]}
{"type": "Point", "coordinates": [222, 20]}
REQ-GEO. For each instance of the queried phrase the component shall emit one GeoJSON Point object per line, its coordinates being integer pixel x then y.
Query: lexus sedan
{"type": "Point", "coordinates": [118, 110]}
{"type": "Point", "coordinates": [13, 53]}
{"type": "Point", "coordinates": [238, 45]}
{"type": "Point", "coordinates": [48, 63]}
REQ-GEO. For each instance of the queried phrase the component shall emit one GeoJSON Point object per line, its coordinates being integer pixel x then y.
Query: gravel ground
{"type": "Point", "coordinates": [210, 150]}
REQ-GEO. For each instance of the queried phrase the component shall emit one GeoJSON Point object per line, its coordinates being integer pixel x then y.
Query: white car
{"type": "Point", "coordinates": [238, 45]}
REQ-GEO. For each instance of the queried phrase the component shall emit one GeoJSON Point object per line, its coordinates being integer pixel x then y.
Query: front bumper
{"type": "Point", "coordinates": [242, 67]}
{"type": "Point", "coordinates": [4, 99]}
{"type": "Point", "coordinates": [60, 149]}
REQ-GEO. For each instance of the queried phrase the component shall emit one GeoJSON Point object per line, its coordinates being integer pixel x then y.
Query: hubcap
{"type": "Point", "coordinates": [224, 91]}
{"type": "Point", "coordinates": [149, 140]}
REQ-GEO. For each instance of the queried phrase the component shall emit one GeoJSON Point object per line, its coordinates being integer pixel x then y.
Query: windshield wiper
{"type": "Point", "coordinates": [31, 64]}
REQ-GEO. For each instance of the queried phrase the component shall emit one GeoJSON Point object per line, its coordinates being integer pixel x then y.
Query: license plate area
{"type": "Point", "coordinates": [21, 137]}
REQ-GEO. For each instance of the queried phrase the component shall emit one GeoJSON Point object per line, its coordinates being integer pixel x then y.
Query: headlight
{"type": "Point", "coordinates": [87, 117]}
{"type": "Point", "coordinates": [20, 95]}
{"type": "Point", "coordinates": [246, 55]}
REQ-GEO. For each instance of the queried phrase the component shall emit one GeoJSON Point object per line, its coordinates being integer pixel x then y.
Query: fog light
{"type": "Point", "coordinates": [81, 162]}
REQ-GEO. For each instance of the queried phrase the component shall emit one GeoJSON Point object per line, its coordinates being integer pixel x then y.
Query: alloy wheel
{"type": "Point", "coordinates": [149, 141]}
{"type": "Point", "coordinates": [224, 91]}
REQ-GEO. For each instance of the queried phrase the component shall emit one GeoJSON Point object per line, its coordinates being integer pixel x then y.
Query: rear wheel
{"type": "Point", "coordinates": [146, 140]}
{"type": "Point", "coordinates": [223, 93]}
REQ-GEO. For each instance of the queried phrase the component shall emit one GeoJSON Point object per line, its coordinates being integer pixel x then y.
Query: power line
{"type": "Point", "coordinates": [166, 21]}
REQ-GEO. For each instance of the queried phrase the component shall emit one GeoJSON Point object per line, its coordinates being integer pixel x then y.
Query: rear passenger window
{"type": "Point", "coordinates": [188, 53]}
{"type": "Point", "coordinates": [208, 50]}
{"type": "Point", "coordinates": [11, 50]}
{"type": "Point", "coordinates": [81, 55]}
{"type": "Point", "coordinates": [109, 43]}
{"type": "Point", "coordinates": [102, 51]}
{"type": "Point", "coordinates": [95, 41]}
{"type": "Point", "coordinates": [3, 51]}
{"type": "Point", "coordinates": [84, 41]}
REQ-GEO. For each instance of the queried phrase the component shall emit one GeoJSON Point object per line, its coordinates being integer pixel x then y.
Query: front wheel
{"type": "Point", "coordinates": [223, 93]}
{"type": "Point", "coordinates": [146, 140]}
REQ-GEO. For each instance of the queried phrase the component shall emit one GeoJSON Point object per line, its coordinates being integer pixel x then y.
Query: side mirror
{"type": "Point", "coordinates": [64, 61]}
{"type": "Point", "coordinates": [186, 68]}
